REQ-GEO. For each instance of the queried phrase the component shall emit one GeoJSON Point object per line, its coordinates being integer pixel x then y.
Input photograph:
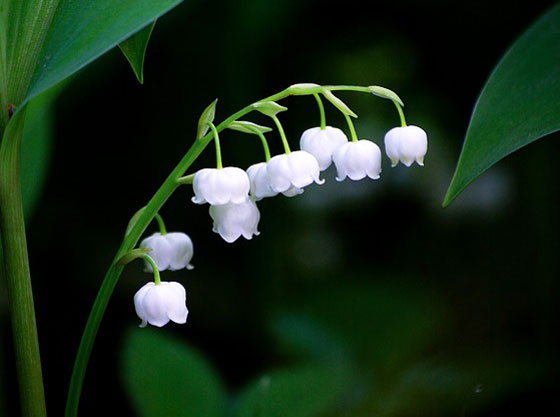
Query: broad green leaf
{"type": "Point", "coordinates": [519, 104]}
{"type": "Point", "coordinates": [306, 391]}
{"type": "Point", "coordinates": [270, 108]}
{"type": "Point", "coordinates": [338, 103]}
{"type": "Point", "coordinates": [166, 377]}
{"type": "Point", "coordinates": [134, 49]}
{"type": "Point", "coordinates": [82, 30]}
{"type": "Point", "coordinates": [36, 146]}
{"type": "Point", "coordinates": [248, 127]}
{"type": "Point", "coordinates": [206, 117]}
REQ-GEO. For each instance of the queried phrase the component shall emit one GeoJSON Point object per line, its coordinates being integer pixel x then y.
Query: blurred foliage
{"type": "Point", "coordinates": [166, 377]}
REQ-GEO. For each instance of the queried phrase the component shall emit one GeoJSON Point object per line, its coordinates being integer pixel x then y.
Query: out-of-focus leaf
{"type": "Point", "coordinates": [384, 326]}
{"type": "Point", "coordinates": [519, 104]}
{"type": "Point", "coordinates": [447, 387]}
{"type": "Point", "coordinates": [36, 146]}
{"type": "Point", "coordinates": [166, 377]}
{"type": "Point", "coordinates": [134, 49]}
{"type": "Point", "coordinates": [307, 391]}
{"type": "Point", "coordinates": [206, 117]}
{"type": "Point", "coordinates": [82, 30]}
{"type": "Point", "coordinates": [306, 337]}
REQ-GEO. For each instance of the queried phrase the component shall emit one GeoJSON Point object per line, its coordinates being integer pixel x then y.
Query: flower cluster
{"type": "Point", "coordinates": [232, 193]}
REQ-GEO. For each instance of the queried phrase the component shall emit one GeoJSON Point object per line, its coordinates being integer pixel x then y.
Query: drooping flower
{"type": "Point", "coordinates": [289, 173]}
{"type": "Point", "coordinates": [406, 144]}
{"type": "Point", "coordinates": [321, 143]}
{"type": "Point", "coordinates": [158, 303]}
{"type": "Point", "coordinates": [357, 160]}
{"type": "Point", "coordinates": [260, 181]}
{"type": "Point", "coordinates": [221, 186]}
{"type": "Point", "coordinates": [234, 220]}
{"type": "Point", "coordinates": [170, 251]}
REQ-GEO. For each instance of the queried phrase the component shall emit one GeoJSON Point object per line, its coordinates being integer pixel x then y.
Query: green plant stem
{"type": "Point", "coordinates": [161, 225]}
{"type": "Point", "coordinates": [157, 278]}
{"type": "Point", "coordinates": [16, 264]}
{"type": "Point", "coordinates": [321, 111]}
{"type": "Point", "coordinates": [145, 217]}
{"type": "Point", "coordinates": [401, 114]}
{"type": "Point", "coordinates": [218, 147]}
{"type": "Point", "coordinates": [264, 142]}
{"type": "Point", "coordinates": [351, 127]}
{"type": "Point", "coordinates": [282, 134]}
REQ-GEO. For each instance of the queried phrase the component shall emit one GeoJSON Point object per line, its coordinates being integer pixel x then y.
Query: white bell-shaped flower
{"type": "Point", "coordinates": [321, 143]}
{"type": "Point", "coordinates": [289, 173]}
{"type": "Point", "coordinates": [158, 303]}
{"type": "Point", "coordinates": [221, 186]}
{"type": "Point", "coordinates": [406, 144]}
{"type": "Point", "coordinates": [260, 181]}
{"type": "Point", "coordinates": [170, 251]}
{"type": "Point", "coordinates": [357, 160]}
{"type": "Point", "coordinates": [234, 220]}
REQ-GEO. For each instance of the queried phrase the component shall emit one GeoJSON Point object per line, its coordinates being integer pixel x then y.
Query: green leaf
{"type": "Point", "coordinates": [206, 117]}
{"type": "Point", "coordinates": [305, 391]}
{"type": "Point", "coordinates": [248, 127]}
{"type": "Point", "coordinates": [338, 103]}
{"type": "Point", "coordinates": [134, 49]}
{"type": "Point", "coordinates": [385, 93]}
{"type": "Point", "coordinates": [82, 30]}
{"type": "Point", "coordinates": [36, 146]}
{"type": "Point", "coordinates": [519, 104]}
{"type": "Point", "coordinates": [269, 108]}
{"type": "Point", "coordinates": [166, 377]}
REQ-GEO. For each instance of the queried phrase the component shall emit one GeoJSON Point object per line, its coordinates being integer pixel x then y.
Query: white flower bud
{"type": "Point", "coordinates": [322, 143]}
{"type": "Point", "coordinates": [171, 251]}
{"type": "Point", "coordinates": [289, 173]}
{"type": "Point", "coordinates": [234, 220]}
{"type": "Point", "coordinates": [406, 144]}
{"type": "Point", "coordinates": [157, 304]}
{"type": "Point", "coordinates": [221, 186]}
{"type": "Point", "coordinates": [260, 181]}
{"type": "Point", "coordinates": [358, 160]}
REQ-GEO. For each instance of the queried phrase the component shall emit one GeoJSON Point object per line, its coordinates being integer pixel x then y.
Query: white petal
{"type": "Point", "coordinates": [176, 306]}
{"type": "Point", "coordinates": [155, 306]}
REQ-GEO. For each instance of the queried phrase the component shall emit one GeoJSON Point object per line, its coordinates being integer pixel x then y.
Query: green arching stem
{"type": "Point", "coordinates": [282, 134]}
{"type": "Point", "coordinates": [217, 143]}
{"type": "Point", "coordinates": [321, 111]}
{"type": "Point", "coordinates": [351, 127]}
{"type": "Point", "coordinates": [149, 259]}
{"type": "Point", "coordinates": [161, 224]}
{"type": "Point", "coordinates": [172, 182]}
{"type": "Point", "coordinates": [401, 114]}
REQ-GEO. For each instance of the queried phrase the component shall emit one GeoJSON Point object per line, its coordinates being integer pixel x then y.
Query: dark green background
{"type": "Point", "coordinates": [444, 312]}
